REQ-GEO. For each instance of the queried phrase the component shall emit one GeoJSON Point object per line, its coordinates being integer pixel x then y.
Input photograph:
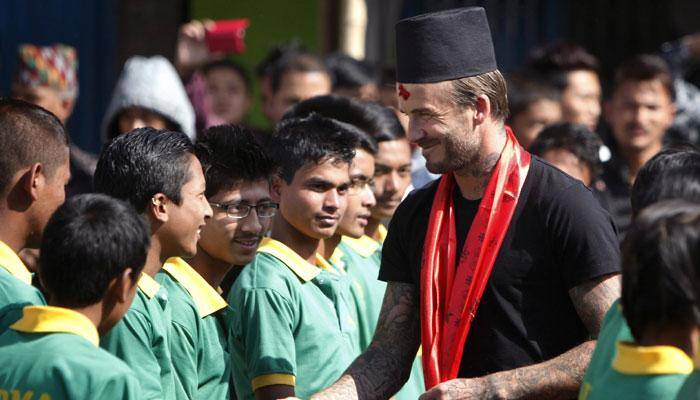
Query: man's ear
{"type": "Point", "coordinates": [67, 108]}
{"type": "Point", "coordinates": [276, 189]}
{"type": "Point", "coordinates": [482, 109]}
{"type": "Point", "coordinates": [32, 181]}
{"type": "Point", "coordinates": [158, 208]}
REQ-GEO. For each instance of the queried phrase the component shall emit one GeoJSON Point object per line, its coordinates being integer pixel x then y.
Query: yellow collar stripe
{"type": "Point", "coordinates": [148, 285]}
{"type": "Point", "coordinates": [291, 259]}
{"type": "Point", "coordinates": [48, 319]}
{"type": "Point", "coordinates": [337, 258]}
{"type": "Point", "coordinates": [364, 246]}
{"type": "Point", "coordinates": [206, 298]}
{"type": "Point", "coordinates": [651, 360]}
{"type": "Point", "coordinates": [381, 233]}
{"type": "Point", "coordinates": [13, 264]}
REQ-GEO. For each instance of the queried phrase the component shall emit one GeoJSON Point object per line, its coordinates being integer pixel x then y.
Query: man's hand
{"type": "Point", "coordinates": [467, 389]}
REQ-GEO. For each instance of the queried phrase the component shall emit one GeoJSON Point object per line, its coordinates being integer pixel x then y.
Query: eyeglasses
{"type": "Point", "coordinates": [242, 210]}
{"type": "Point", "coordinates": [357, 185]}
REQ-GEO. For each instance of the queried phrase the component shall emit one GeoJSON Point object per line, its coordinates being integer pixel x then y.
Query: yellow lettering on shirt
{"type": "Point", "coordinates": [16, 394]}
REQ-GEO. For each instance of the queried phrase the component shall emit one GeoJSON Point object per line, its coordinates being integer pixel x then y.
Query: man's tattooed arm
{"type": "Point", "coordinates": [386, 364]}
{"type": "Point", "coordinates": [558, 378]}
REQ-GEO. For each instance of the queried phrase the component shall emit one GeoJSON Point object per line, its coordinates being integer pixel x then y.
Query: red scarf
{"type": "Point", "coordinates": [450, 297]}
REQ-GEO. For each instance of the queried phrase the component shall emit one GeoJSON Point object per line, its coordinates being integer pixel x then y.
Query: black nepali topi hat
{"type": "Point", "coordinates": [443, 46]}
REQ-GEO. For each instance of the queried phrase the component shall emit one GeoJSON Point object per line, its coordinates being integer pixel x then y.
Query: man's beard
{"type": "Point", "coordinates": [459, 154]}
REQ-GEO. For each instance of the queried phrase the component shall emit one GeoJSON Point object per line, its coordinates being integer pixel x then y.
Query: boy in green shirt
{"type": "Point", "coordinates": [237, 174]}
{"type": "Point", "coordinates": [93, 250]}
{"type": "Point", "coordinates": [292, 332]}
{"type": "Point", "coordinates": [673, 173]}
{"type": "Point", "coordinates": [661, 260]}
{"type": "Point", "coordinates": [350, 250]}
{"type": "Point", "coordinates": [156, 171]}
{"type": "Point", "coordinates": [34, 170]}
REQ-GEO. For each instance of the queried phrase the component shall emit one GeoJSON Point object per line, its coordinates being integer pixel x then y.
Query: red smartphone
{"type": "Point", "coordinates": [227, 36]}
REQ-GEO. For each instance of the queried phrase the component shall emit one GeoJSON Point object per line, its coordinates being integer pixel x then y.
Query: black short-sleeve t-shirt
{"type": "Point", "coordinates": [559, 237]}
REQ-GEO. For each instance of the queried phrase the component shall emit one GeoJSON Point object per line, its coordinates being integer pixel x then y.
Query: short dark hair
{"type": "Point", "coordinates": [645, 67]}
{"type": "Point", "coordinates": [347, 72]}
{"type": "Point", "coordinates": [275, 54]}
{"type": "Point", "coordinates": [344, 109]}
{"type": "Point", "coordinates": [527, 89]}
{"type": "Point", "coordinates": [555, 60]}
{"type": "Point", "coordinates": [90, 240]}
{"type": "Point", "coordinates": [673, 173]}
{"type": "Point", "coordinates": [29, 134]}
{"type": "Point", "coordinates": [231, 154]}
{"type": "Point", "coordinates": [138, 164]}
{"type": "Point", "coordinates": [661, 257]}
{"type": "Point", "coordinates": [577, 139]}
{"type": "Point", "coordinates": [313, 139]}
{"type": "Point", "coordinates": [232, 66]}
{"type": "Point", "coordinates": [295, 62]}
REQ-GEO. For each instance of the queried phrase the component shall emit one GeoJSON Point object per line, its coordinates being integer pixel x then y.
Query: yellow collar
{"type": "Point", "coordinates": [13, 264]}
{"type": "Point", "coordinates": [47, 319]}
{"type": "Point", "coordinates": [206, 298]}
{"type": "Point", "coordinates": [651, 360]}
{"type": "Point", "coordinates": [364, 246]}
{"type": "Point", "coordinates": [291, 259]}
{"type": "Point", "coordinates": [381, 233]}
{"type": "Point", "coordinates": [148, 285]}
{"type": "Point", "coordinates": [337, 258]}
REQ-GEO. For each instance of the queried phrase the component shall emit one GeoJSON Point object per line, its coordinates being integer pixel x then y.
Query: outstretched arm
{"type": "Point", "coordinates": [558, 378]}
{"type": "Point", "coordinates": [386, 364]}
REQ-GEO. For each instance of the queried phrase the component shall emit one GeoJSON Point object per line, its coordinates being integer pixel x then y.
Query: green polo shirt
{"type": "Point", "coordinates": [691, 387]}
{"type": "Point", "coordinates": [362, 258]}
{"type": "Point", "coordinates": [16, 290]}
{"type": "Point", "coordinates": [291, 325]}
{"type": "Point", "coordinates": [197, 341]}
{"type": "Point", "coordinates": [641, 373]}
{"type": "Point", "coordinates": [52, 353]}
{"type": "Point", "coordinates": [141, 339]}
{"type": "Point", "coordinates": [613, 330]}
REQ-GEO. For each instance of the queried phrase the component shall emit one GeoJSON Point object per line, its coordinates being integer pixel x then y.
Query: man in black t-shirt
{"type": "Point", "coordinates": [555, 273]}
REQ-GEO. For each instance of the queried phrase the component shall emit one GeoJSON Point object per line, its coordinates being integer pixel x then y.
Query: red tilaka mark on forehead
{"type": "Point", "coordinates": [405, 94]}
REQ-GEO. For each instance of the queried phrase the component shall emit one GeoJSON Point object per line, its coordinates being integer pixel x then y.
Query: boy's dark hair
{"type": "Point", "coordinates": [313, 139]}
{"type": "Point", "coordinates": [661, 257]}
{"type": "Point", "coordinates": [138, 164]}
{"type": "Point", "coordinates": [645, 67]}
{"type": "Point", "coordinates": [275, 54]}
{"type": "Point", "coordinates": [29, 134]}
{"type": "Point", "coordinates": [343, 109]}
{"type": "Point", "coordinates": [90, 240]}
{"type": "Point", "coordinates": [295, 62]}
{"type": "Point", "coordinates": [374, 119]}
{"type": "Point", "coordinates": [554, 61]}
{"type": "Point", "coordinates": [347, 72]}
{"type": "Point", "coordinates": [577, 139]}
{"type": "Point", "coordinates": [231, 154]}
{"type": "Point", "coordinates": [673, 173]}
{"type": "Point", "coordinates": [527, 89]}
{"type": "Point", "coordinates": [230, 65]}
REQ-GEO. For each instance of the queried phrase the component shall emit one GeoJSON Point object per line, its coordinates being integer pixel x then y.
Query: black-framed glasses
{"type": "Point", "coordinates": [357, 185]}
{"type": "Point", "coordinates": [242, 210]}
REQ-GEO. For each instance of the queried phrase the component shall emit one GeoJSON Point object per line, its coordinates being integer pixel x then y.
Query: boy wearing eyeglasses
{"type": "Point", "coordinates": [237, 172]}
{"type": "Point", "coordinates": [292, 332]}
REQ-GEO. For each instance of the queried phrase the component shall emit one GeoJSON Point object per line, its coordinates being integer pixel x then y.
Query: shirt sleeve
{"type": "Point", "coordinates": [583, 236]}
{"type": "Point", "coordinates": [183, 351]}
{"type": "Point", "coordinates": [395, 266]}
{"type": "Point", "coordinates": [266, 329]}
{"type": "Point", "coordinates": [130, 341]}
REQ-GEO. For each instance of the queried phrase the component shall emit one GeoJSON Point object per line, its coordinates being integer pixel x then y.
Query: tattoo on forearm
{"type": "Point", "coordinates": [592, 300]}
{"type": "Point", "coordinates": [386, 364]}
{"type": "Point", "coordinates": [558, 378]}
